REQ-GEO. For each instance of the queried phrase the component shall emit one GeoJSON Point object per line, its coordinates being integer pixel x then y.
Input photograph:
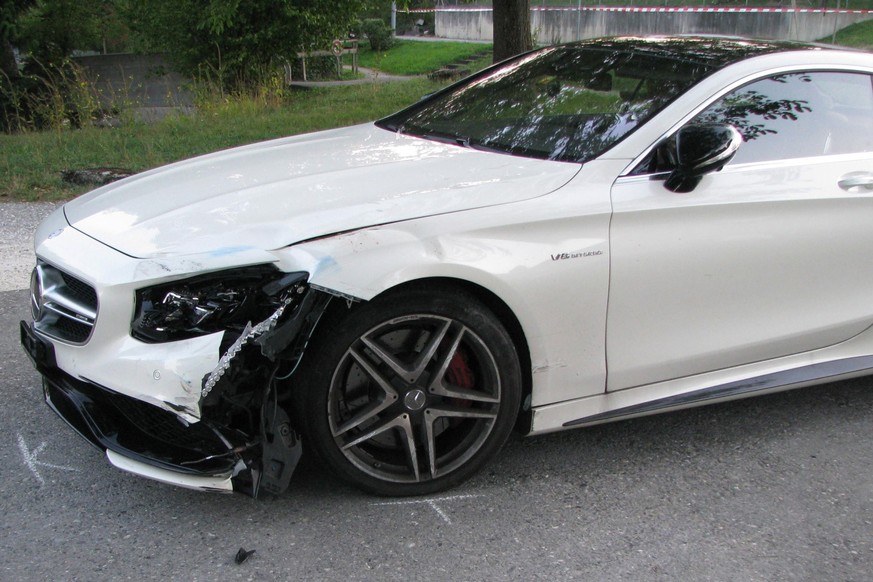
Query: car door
{"type": "Point", "coordinates": [765, 258]}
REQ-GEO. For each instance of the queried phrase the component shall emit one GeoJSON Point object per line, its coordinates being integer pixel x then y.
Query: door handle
{"type": "Point", "coordinates": [857, 182]}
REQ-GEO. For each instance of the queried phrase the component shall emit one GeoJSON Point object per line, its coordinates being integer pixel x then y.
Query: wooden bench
{"type": "Point", "coordinates": [338, 48]}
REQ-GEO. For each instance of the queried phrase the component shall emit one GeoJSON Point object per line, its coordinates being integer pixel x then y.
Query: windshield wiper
{"type": "Point", "coordinates": [441, 137]}
{"type": "Point", "coordinates": [449, 138]}
{"type": "Point", "coordinates": [480, 147]}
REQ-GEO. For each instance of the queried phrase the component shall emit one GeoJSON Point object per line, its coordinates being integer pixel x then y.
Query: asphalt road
{"type": "Point", "coordinates": [772, 488]}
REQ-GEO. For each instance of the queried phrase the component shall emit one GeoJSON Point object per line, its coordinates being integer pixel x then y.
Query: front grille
{"type": "Point", "coordinates": [80, 291]}
{"type": "Point", "coordinates": [64, 307]}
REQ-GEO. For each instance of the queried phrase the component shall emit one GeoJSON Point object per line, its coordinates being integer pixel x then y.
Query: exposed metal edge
{"type": "Point", "coordinates": [335, 293]}
{"type": "Point", "coordinates": [221, 483]}
{"type": "Point", "coordinates": [814, 373]}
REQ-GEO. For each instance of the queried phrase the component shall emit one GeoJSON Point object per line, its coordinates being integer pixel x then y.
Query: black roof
{"type": "Point", "coordinates": [713, 52]}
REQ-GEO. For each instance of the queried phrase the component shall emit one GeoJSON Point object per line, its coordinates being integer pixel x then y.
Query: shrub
{"type": "Point", "coordinates": [47, 97]}
{"type": "Point", "coordinates": [317, 68]}
{"type": "Point", "coordinates": [380, 34]}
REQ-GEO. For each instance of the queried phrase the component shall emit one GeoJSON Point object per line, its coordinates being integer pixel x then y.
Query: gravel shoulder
{"type": "Point", "coordinates": [18, 222]}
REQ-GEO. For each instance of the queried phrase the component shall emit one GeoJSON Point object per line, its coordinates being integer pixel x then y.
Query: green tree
{"type": "Point", "coordinates": [237, 39]}
{"type": "Point", "coordinates": [10, 15]}
{"type": "Point", "coordinates": [52, 29]}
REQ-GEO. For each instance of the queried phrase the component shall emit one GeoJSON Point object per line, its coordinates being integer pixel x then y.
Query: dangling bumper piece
{"type": "Point", "coordinates": [243, 441]}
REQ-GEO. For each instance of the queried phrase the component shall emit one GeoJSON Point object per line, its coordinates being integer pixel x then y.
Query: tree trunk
{"type": "Point", "coordinates": [8, 66]}
{"type": "Point", "coordinates": [511, 28]}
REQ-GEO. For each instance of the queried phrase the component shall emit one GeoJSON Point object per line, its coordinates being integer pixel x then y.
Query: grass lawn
{"type": "Point", "coordinates": [31, 163]}
{"type": "Point", "coordinates": [412, 57]}
{"type": "Point", "coordinates": [858, 35]}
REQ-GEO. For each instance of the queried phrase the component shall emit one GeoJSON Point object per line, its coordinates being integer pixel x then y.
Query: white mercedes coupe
{"type": "Point", "coordinates": [587, 232]}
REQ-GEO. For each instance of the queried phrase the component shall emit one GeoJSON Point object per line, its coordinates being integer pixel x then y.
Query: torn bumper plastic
{"type": "Point", "coordinates": [215, 453]}
{"type": "Point", "coordinates": [138, 431]}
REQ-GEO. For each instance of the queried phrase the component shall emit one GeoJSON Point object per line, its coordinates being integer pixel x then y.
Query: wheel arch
{"type": "Point", "coordinates": [501, 310]}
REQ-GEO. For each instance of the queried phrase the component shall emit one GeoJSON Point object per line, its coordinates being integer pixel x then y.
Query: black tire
{"type": "Point", "coordinates": [411, 393]}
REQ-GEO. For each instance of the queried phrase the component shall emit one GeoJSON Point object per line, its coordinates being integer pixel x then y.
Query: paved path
{"type": "Point", "coordinates": [374, 76]}
{"type": "Point", "coordinates": [370, 76]}
{"type": "Point", "coordinates": [441, 39]}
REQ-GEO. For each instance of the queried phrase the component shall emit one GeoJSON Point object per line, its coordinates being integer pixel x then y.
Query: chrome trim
{"type": "Point", "coordinates": [814, 373]}
{"type": "Point", "coordinates": [730, 150]}
{"type": "Point", "coordinates": [36, 294]}
{"type": "Point", "coordinates": [54, 300]}
{"type": "Point", "coordinates": [753, 166]}
{"type": "Point", "coordinates": [57, 296]}
{"type": "Point", "coordinates": [78, 318]}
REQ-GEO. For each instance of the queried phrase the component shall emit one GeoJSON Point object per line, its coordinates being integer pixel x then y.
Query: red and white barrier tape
{"type": "Point", "coordinates": [684, 9]}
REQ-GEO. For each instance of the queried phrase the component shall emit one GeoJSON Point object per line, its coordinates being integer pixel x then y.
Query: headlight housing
{"type": "Point", "coordinates": [226, 300]}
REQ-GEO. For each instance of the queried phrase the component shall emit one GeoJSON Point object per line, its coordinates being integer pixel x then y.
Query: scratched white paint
{"type": "Point", "coordinates": [32, 462]}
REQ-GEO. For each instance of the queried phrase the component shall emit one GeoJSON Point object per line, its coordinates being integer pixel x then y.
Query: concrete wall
{"type": "Point", "coordinates": [563, 25]}
{"type": "Point", "coordinates": [143, 82]}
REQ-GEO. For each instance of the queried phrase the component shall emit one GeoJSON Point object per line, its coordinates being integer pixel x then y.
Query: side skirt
{"type": "Point", "coordinates": [794, 378]}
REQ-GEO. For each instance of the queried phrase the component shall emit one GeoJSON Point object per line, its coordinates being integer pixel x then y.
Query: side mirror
{"type": "Point", "coordinates": [699, 150]}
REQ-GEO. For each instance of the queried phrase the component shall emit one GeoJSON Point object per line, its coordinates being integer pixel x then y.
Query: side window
{"type": "Point", "coordinates": [798, 115]}
{"type": "Point", "coordinates": [794, 115]}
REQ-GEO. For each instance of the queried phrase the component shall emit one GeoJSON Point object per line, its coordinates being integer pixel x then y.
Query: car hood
{"type": "Point", "coordinates": [273, 194]}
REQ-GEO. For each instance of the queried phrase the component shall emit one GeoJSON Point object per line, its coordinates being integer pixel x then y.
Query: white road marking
{"type": "Point", "coordinates": [432, 503]}
{"type": "Point", "coordinates": [31, 461]}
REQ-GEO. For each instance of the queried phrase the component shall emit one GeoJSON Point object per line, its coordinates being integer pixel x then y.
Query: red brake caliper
{"type": "Point", "coordinates": [459, 372]}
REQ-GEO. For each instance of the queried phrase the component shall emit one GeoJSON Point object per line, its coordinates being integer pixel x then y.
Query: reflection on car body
{"type": "Point", "coordinates": [586, 232]}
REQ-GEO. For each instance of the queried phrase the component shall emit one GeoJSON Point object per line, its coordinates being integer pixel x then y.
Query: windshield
{"type": "Point", "coordinates": [567, 103]}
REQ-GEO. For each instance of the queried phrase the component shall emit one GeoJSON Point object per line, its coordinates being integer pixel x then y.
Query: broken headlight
{"type": "Point", "coordinates": [221, 301]}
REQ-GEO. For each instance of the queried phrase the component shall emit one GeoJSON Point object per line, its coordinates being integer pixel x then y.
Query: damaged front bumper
{"type": "Point", "coordinates": [243, 439]}
{"type": "Point", "coordinates": [145, 439]}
